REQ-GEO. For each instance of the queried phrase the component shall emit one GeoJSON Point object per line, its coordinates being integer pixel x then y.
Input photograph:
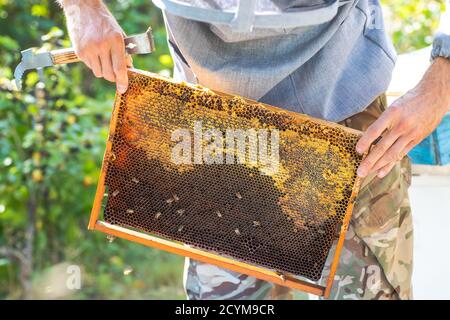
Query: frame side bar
{"type": "Point", "coordinates": [95, 212]}
{"type": "Point", "coordinates": [340, 243]}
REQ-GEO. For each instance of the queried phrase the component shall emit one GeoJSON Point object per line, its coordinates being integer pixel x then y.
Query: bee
{"type": "Point", "coordinates": [282, 276]}
{"type": "Point", "coordinates": [127, 271]}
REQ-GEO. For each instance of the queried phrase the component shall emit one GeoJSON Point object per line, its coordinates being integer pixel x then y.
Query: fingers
{"type": "Point", "coordinates": [376, 153]}
{"type": "Point", "coordinates": [106, 57]}
{"type": "Point", "coordinates": [95, 66]}
{"type": "Point", "coordinates": [409, 147]}
{"type": "Point", "coordinates": [99, 62]}
{"type": "Point", "coordinates": [86, 56]}
{"type": "Point", "coordinates": [374, 131]}
{"type": "Point", "coordinates": [107, 67]}
{"type": "Point", "coordinates": [119, 65]}
{"type": "Point", "coordinates": [395, 153]}
{"type": "Point", "coordinates": [385, 170]}
{"type": "Point", "coordinates": [129, 61]}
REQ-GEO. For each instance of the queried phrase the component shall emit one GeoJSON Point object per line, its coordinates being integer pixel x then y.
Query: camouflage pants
{"type": "Point", "coordinates": [376, 260]}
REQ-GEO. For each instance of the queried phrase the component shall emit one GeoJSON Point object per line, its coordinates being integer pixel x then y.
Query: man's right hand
{"type": "Point", "coordinates": [98, 40]}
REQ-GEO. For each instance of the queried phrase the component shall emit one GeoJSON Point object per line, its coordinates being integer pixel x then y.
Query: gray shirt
{"type": "Point", "coordinates": [330, 70]}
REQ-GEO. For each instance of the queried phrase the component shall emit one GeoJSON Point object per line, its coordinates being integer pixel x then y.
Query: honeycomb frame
{"type": "Point", "coordinates": [117, 185]}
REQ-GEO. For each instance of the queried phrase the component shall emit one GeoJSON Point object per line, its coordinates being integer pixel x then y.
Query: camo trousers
{"type": "Point", "coordinates": [376, 259]}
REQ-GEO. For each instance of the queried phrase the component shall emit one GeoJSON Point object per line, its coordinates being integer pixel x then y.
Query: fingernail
{"type": "Point", "coordinates": [381, 174]}
{"type": "Point", "coordinates": [359, 149]}
{"type": "Point", "coordinates": [121, 88]}
{"type": "Point", "coordinates": [360, 172]}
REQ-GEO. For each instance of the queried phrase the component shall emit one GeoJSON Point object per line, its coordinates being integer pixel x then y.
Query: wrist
{"type": "Point", "coordinates": [435, 84]}
{"type": "Point", "coordinates": [443, 65]}
{"type": "Point", "coordinates": [90, 3]}
{"type": "Point", "coordinates": [74, 10]}
{"type": "Point", "coordinates": [441, 45]}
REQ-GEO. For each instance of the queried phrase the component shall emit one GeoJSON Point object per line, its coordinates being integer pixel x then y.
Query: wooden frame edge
{"type": "Point", "coordinates": [97, 205]}
{"type": "Point", "coordinates": [296, 115]}
{"type": "Point", "coordinates": [341, 239]}
{"type": "Point", "coordinates": [206, 257]}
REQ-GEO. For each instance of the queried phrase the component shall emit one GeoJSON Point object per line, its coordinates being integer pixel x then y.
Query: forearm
{"type": "Point", "coordinates": [443, 65]}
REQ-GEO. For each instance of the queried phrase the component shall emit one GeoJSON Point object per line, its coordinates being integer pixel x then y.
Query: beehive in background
{"type": "Point", "coordinates": [266, 218]}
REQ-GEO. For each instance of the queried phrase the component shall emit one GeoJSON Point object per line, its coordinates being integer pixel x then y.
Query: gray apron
{"type": "Point", "coordinates": [228, 49]}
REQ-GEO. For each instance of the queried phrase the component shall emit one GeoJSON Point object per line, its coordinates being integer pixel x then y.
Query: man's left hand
{"type": "Point", "coordinates": [409, 120]}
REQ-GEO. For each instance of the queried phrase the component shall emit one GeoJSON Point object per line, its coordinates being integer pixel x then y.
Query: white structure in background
{"type": "Point", "coordinates": [411, 66]}
{"type": "Point", "coordinates": [429, 193]}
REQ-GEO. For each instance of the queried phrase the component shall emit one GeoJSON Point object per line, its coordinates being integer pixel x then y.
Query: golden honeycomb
{"type": "Point", "coordinates": [284, 220]}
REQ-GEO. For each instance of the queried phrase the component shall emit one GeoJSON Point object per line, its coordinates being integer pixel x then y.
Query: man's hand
{"type": "Point", "coordinates": [98, 40]}
{"type": "Point", "coordinates": [407, 121]}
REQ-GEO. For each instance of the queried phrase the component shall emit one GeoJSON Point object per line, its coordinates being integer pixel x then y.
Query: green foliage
{"type": "Point", "coordinates": [411, 24]}
{"type": "Point", "coordinates": [52, 140]}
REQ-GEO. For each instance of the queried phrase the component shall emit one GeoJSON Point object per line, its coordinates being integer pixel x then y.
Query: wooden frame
{"type": "Point", "coordinates": [178, 248]}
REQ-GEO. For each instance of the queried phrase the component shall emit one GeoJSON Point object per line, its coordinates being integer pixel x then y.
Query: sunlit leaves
{"type": "Point", "coordinates": [52, 148]}
{"type": "Point", "coordinates": [411, 24]}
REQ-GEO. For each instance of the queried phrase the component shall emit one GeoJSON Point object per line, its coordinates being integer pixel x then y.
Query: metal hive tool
{"type": "Point", "coordinates": [275, 225]}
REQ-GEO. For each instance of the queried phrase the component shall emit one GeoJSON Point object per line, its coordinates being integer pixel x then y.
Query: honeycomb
{"type": "Point", "coordinates": [284, 220]}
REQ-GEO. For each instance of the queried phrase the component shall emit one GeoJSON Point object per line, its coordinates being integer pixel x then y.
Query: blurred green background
{"type": "Point", "coordinates": [52, 139]}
